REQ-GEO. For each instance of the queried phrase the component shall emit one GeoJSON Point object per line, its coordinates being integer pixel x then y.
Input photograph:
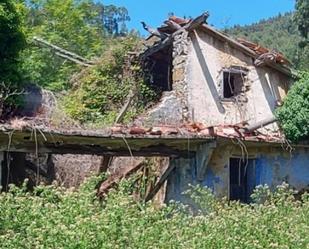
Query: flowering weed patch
{"type": "Point", "coordinates": [52, 217]}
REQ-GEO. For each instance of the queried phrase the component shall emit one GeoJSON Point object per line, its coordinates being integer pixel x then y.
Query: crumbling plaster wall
{"type": "Point", "coordinates": [272, 166]}
{"type": "Point", "coordinates": [173, 106]}
{"type": "Point", "coordinates": [264, 88]}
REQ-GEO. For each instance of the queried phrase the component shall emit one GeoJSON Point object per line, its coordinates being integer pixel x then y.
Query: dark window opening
{"type": "Point", "coordinates": [233, 82]}
{"type": "Point", "coordinates": [242, 179]}
{"type": "Point", "coordinates": [160, 69]}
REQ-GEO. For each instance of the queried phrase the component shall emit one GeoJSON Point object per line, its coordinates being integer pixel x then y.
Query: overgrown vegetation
{"type": "Point", "coordinates": [12, 42]}
{"type": "Point", "coordinates": [294, 114]}
{"type": "Point", "coordinates": [301, 17]}
{"type": "Point", "coordinates": [52, 217]}
{"type": "Point", "coordinates": [99, 92]}
{"type": "Point", "coordinates": [79, 26]}
{"type": "Point", "coordinates": [85, 27]}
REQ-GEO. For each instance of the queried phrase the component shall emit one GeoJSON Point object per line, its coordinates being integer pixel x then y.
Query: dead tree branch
{"type": "Point", "coordinates": [6, 92]}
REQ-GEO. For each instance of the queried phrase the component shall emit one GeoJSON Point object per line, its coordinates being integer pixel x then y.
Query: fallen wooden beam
{"type": "Point", "coordinates": [259, 124]}
{"type": "Point", "coordinates": [125, 107]}
{"type": "Point", "coordinates": [173, 25]}
{"type": "Point", "coordinates": [64, 53]}
{"type": "Point", "coordinates": [116, 178]}
{"type": "Point", "coordinates": [197, 21]}
{"type": "Point", "coordinates": [160, 182]}
{"type": "Point", "coordinates": [153, 31]}
{"type": "Point", "coordinates": [166, 42]}
{"type": "Point", "coordinates": [72, 59]}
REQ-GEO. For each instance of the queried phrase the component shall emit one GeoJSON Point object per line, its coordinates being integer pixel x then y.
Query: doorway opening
{"type": "Point", "coordinates": [242, 179]}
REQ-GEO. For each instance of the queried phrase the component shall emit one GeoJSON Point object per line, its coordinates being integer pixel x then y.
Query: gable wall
{"type": "Point", "coordinates": [207, 55]}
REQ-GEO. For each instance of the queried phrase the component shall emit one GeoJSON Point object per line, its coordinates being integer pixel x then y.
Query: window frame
{"type": "Point", "coordinates": [236, 70]}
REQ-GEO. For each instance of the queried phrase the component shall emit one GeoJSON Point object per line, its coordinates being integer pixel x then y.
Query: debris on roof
{"type": "Point", "coordinates": [264, 53]}
{"type": "Point", "coordinates": [189, 130]}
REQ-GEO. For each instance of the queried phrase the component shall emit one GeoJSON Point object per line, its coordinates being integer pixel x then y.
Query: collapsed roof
{"type": "Point", "coordinates": [262, 56]}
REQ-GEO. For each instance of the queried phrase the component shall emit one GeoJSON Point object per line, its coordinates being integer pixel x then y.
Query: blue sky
{"type": "Point", "coordinates": [223, 13]}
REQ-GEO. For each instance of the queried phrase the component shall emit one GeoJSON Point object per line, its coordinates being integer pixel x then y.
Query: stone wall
{"type": "Point", "coordinates": [173, 106]}
{"type": "Point", "coordinates": [180, 60]}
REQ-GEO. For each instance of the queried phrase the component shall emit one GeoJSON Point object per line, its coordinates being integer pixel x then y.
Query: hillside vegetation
{"type": "Point", "coordinates": [279, 33]}
{"type": "Point", "coordinates": [95, 31]}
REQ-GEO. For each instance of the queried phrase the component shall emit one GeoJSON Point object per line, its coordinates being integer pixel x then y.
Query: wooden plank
{"type": "Point", "coordinates": [166, 42]}
{"type": "Point", "coordinates": [110, 146]}
{"type": "Point", "coordinates": [125, 107]}
{"type": "Point", "coordinates": [63, 52]}
{"type": "Point", "coordinates": [160, 182]}
{"type": "Point", "coordinates": [259, 124]}
{"type": "Point", "coordinates": [72, 59]}
{"type": "Point", "coordinates": [114, 179]}
{"type": "Point", "coordinates": [196, 22]}
{"type": "Point", "coordinates": [173, 25]}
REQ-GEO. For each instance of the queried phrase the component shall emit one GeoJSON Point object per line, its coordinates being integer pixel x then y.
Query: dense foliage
{"type": "Point", "coordinates": [79, 26]}
{"type": "Point", "coordinates": [302, 17]}
{"type": "Point", "coordinates": [85, 27]}
{"type": "Point", "coordinates": [279, 33]}
{"type": "Point", "coordinates": [52, 217]}
{"type": "Point", "coordinates": [12, 41]}
{"type": "Point", "coordinates": [99, 92]}
{"type": "Point", "coordinates": [294, 114]}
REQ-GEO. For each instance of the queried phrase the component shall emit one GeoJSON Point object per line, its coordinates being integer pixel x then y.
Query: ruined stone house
{"type": "Point", "coordinates": [214, 122]}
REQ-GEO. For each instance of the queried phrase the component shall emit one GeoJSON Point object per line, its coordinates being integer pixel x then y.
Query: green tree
{"type": "Point", "coordinates": [75, 25]}
{"type": "Point", "coordinates": [294, 114]}
{"type": "Point", "coordinates": [114, 19]}
{"type": "Point", "coordinates": [302, 17]}
{"type": "Point", "coordinates": [12, 41]}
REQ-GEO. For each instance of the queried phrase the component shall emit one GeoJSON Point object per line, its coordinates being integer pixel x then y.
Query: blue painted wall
{"type": "Point", "coordinates": [272, 167]}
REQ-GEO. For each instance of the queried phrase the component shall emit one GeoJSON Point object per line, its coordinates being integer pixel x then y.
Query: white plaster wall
{"type": "Point", "coordinates": [207, 56]}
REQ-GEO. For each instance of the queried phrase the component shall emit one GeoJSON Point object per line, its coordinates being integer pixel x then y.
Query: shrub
{"type": "Point", "coordinates": [99, 92]}
{"type": "Point", "coordinates": [294, 114]}
{"type": "Point", "coordinates": [52, 217]}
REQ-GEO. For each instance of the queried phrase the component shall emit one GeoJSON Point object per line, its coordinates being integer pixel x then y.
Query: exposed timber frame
{"type": "Point", "coordinates": [99, 143]}
{"type": "Point", "coordinates": [194, 23]}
